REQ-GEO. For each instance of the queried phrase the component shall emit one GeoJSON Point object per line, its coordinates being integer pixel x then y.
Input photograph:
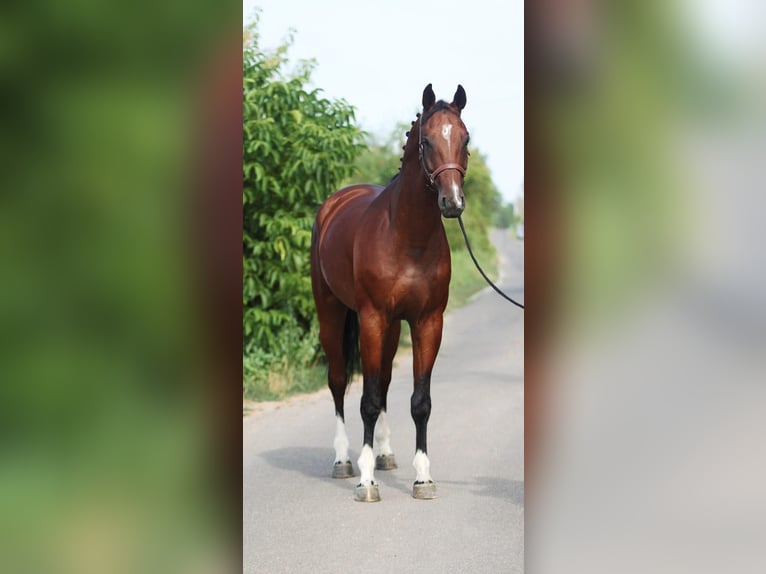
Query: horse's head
{"type": "Point", "coordinates": [443, 146]}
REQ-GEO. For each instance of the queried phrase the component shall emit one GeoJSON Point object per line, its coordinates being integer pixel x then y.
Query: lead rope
{"type": "Point", "coordinates": [470, 252]}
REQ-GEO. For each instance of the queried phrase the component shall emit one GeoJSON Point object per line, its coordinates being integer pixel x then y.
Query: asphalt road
{"type": "Point", "coordinates": [296, 518]}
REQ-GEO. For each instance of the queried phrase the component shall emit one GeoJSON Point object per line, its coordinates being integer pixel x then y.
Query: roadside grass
{"type": "Point", "coordinates": [466, 279]}
{"type": "Point", "coordinates": [278, 379]}
{"type": "Point", "coordinates": [279, 382]}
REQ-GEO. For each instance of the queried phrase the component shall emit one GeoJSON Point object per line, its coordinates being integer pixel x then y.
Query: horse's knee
{"type": "Point", "coordinates": [370, 407]}
{"type": "Point", "coordinates": [420, 405]}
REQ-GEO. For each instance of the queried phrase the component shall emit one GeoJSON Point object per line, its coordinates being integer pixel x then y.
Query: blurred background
{"type": "Point", "coordinates": [121, 128]}
{"type": "Point", "coordinates": [646, 303]}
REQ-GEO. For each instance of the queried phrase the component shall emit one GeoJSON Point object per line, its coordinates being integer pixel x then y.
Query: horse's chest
{"type": "Point", "coordinates": [402, 284]}
{"type": "Point", "coordinates": [414, 275]}
{"type": "Point", "coordinates": [412, 286]}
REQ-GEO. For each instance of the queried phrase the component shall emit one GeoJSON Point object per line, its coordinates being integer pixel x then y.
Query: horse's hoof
{"type": "Point", "coordinates": [385, 462]}
{"type": "Point", "coordinates": [367, 493]}
{"type": "Point", "coordinates": [342, 470]}
{"type": "Point", "coordinates": [424, 490]}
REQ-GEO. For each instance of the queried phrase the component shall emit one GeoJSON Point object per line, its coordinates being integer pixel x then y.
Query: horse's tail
{"type": "Point", "coordinates": [351, 353]}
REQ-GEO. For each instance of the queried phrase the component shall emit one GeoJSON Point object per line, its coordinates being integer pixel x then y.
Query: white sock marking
{"type": "Point", "coordinates": [382, 435]}
{"type": "Point", "coordinates": [341, 440]}
{"type": "Point", "coordinates": [422, 467]}
{"type": "Point", "coordinates": [366, 464]}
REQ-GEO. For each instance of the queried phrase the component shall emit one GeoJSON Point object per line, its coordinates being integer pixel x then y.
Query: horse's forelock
{"type": "Point", "coordinates": [437, 107]}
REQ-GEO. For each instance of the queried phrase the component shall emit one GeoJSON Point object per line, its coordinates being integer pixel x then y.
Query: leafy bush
{"type": "Point", "coordinates": [297, 148]}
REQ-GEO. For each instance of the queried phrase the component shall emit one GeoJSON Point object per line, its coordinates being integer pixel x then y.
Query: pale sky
{"type": "Point", "coordinates": [730, 31]}
{"type": "Point", "coordinates": [380, 55]}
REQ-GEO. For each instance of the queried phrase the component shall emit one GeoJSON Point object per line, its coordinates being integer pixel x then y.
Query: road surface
{"type": "Point", "coordinates": [296, 518]}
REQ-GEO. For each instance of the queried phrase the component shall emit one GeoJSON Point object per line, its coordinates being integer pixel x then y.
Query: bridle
{"type": "Point", "coordinates": [432, 175]}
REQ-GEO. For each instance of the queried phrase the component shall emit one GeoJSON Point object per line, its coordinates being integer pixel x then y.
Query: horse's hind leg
{"type": "Point", "coordinates": [385, 459]}
{"type": "Point", "coordinates": [332, 320]}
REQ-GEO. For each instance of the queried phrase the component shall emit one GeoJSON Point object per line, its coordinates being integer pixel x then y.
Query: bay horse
{"type": "Point", "coordinates": [379, 255]}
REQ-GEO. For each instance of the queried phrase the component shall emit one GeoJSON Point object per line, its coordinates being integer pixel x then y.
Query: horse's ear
{"type": "Point", "coordinates": [429, 98]}
{"type": "Point", "coordinates": [459, 99]}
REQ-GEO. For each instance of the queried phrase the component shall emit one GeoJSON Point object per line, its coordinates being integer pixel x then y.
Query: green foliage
{"type": "Point", "coordinates": [505, 216]}
{"type": "Point", "coordinates": [379, 161]}
{"type": "Point", "coordinates": [613, 149]}
{"type": "Point", "coordinates": [286, 368]}
{"type": "Point", "coordinates": [103, 359]}
{"type": "Point", "coordinates": [297, 147]}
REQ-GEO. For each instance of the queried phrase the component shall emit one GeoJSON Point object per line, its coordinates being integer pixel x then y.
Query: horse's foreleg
{"type": "Point", "coordinates": [426, 339]}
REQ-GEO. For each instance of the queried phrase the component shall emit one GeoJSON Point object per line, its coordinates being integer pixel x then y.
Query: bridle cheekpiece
{"type": "Point", "coordinates": [432, 175]}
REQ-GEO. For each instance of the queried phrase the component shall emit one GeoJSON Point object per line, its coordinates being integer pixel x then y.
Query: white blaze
{"type": "Point", "coordinates": [455, 189]}
{"type": "Point", "coordinates": [446, 131]}
{"type": "Point", "coordinates": [456, 194]}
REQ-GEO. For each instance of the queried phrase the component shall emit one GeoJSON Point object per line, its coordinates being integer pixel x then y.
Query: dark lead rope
{"type": "Point", "coordinates": [470, 252]}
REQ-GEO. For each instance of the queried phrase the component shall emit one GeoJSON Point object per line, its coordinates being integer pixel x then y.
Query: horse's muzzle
{"type": "Point", "coordinates": [451, 207]}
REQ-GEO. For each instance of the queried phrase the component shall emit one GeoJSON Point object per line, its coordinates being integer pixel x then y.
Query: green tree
{"type": "Point", "coordinates": [612, 125]}
{"type": "Point", "coordinates": [379, 161]}
{"type": "Point", "coordinates": [505, 216]}
{"type": "Point", "coordinates": [298, 147]}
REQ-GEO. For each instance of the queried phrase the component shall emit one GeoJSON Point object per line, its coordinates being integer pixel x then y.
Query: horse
{"type": "Point", "coordinates": [379, 255]}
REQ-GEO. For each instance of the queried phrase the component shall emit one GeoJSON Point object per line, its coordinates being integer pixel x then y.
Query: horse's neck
{"type": "Point", "coordinates": [414, 213]}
